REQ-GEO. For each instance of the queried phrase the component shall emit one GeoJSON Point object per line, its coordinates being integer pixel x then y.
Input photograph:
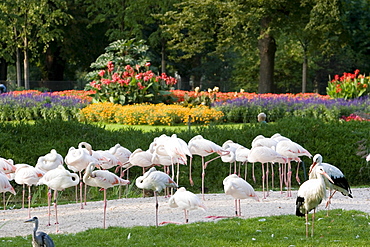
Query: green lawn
{"type": "Point", "coordinates": [341, 228]}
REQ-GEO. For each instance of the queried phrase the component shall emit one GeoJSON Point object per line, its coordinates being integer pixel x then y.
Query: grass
{"type": "Point", "coordinates": [341, 228]}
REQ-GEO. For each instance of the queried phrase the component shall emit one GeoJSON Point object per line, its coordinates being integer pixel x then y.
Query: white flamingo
{"type": "Point", "coordinates": [103, 179]}
{"type": "Point", "coordinates": [156, 181]}
{"type": "Point", "coordinates": [203, 147]}
{"type": "Point", "coordinates": [77, 159]}
{"type": "Point", "coordinates": [49, 161]}
{"type": "Point", "coordinates": [185, 200]}
{"type": "Point", "coordinates": [292, 151]}
{"type": "Point", "coordinates": [264, 155]}
{"type": "Point", "coordinates": [5, 186]}
{"type": "Point", "coordinates": [241, 155]}
{"type": "Point", "coordinates": [7, 166]}
{"type": "Point", "coordinates": [310, 195]}
{"type": "Point", "coordinates": [27, 175]}
{"type": "Point", "coordinates": [58, 179]}
{"type": "Point", "coordinates": [238, 188]}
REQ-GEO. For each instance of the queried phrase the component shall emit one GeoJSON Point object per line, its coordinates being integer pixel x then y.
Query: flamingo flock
{"type": "Point", "coordinates": [90, 167]}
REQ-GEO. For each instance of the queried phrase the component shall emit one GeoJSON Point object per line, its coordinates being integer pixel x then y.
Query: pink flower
{"type": "Point", "coordinates": [139, 76]}
{"type": "Point", "coordinates": [101, 73]}
{"type": "Point", "coordinates": [140, 85]}
{"type": "Point", "coordinates": [110, 66]}
{"type": "Point", "coordinates": [147, 64]}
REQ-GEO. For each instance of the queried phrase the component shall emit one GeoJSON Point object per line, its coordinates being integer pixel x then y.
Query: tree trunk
{"type": "Point", "coordinates": [3, 69]}
{"type": "Point", "coordinates": [18, 67]}
{"type": "Point", "coordinates": [304, 73]}
{"type": "Point", "coordinates": [26, 67]}
{"type": "Point", "coordinates": [163, 60]}
{"type": "Point", "coordinates": [267, 48]}
{"type": "Point", "coordinates": [54, 64]}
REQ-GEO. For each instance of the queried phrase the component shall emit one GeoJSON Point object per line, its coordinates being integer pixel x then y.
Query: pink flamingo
{"type": "Point", "coordinates": [27, 175]}
{"type": "Point", "coordinates": [103, 179]}
{"type": "Point", "coordinates": [5, 186]}
{"type": "Point", "coordinates": [203, 147]}
{"type": "Point", "coordinates": [58, 179]}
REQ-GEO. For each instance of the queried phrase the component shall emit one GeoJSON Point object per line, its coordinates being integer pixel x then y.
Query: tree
{"type": "Point", "coordinates": [31, 23]}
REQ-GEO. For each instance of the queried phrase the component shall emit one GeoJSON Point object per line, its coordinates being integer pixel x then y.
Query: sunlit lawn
{"type": "Point", "coordinates": [341, 228]}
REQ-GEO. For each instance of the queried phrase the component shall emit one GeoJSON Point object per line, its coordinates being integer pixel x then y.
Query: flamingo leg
{"type": "Point", "coordinates": [272, 176]}
{"type": "Point", "coordinates": [281, 178]}
{"type": "Point", "coordinates": [254, 178]}
{"type": "Point", "coordinates": [296, 175]}
{"type": "Point", "coordinates": [85, 194]}
{"type": "Point", "coordinates": [49, 202]}
{"type": "Point", "coordinates": [56, 209]}
{"type": "Point", "coordinates": [240, 208]}
{"type": "Point", "coordinates": [263, 181]}
{"type": "Point", "coordinates": [29, 201]}
{"type": "Point", "coordinates": [23, 194]}
{"type": "Point", "coordinates": [267, 179]}
{"type": "Point", "coordinates": [105, 207]}
{"type": "Point", "coordinates": [190, 177]}
{"type": "Point", "coordinates": [289, 178]}
{"type": "Point", "coordinates": [203, 175]}
{"type": "Point", "coordinates": [82, 205]}
{"type": "Point", "coordinates": [245, 171]}
{"type": "Point", "coordinates": [186, 216]}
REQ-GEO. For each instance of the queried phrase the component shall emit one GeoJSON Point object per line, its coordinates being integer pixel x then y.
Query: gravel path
{"type": "Point", "coordinates": [141, 212]}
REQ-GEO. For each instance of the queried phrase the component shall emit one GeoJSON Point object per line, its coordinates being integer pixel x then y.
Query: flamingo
{"type": "Point", "coordinates": [310, 195]}
{"type": "Point", "coordinates": [5, 186]}
{"type": "Point", "coordinates": [139, 158]}
{"type": "Point", "coordinates": [185, 200]}
{"type": "Point", "coordinates": [340, 183]}
{"type": "Point", "coordinates": [241, 155]}
{"type": "Point", "coordinates": [203, 147]}
{"type": "Point", "coordinates": [260, 140]}
{"type": "Point", "coordinates": [292, 151]}
{"type": "Point", "coordinates": [77, 159]}
{"type": "Point", "coordinates": [49, 161]}
{"type": "Point", "coordinates": [230, 146]}
{"type": "Point", "coordinates": [58, 179]}
{"type": "Point", "coordinates": [264, 155]}
{"type": "Point", "coordinates": [103, 179]}
{"type": "Point", "coordinates": [156, 181]}
{"type": "Point", "coordinates": [122, 153]}
{"type": "Point", "coordinates": [238, 188]}
{"type": "Point", "coordinates": [7, 166]}
{"type": "Point", "coordinates": [27, 175]}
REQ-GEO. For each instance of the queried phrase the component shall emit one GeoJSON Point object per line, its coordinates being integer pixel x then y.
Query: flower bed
{"type": "Point", "coordinates": [32, 105]}
{"type": "Point", "coordinates": [151, 114]}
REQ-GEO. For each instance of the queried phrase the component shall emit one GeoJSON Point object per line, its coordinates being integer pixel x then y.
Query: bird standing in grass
{"type": "Point", "coordinates": [39, 239]}
{"type": "Point", "coordinates": [156, 181]}
{"type": "Point", "coordinates": [239, 189]}
{"type": "Point", "coordinates": [310, 195]}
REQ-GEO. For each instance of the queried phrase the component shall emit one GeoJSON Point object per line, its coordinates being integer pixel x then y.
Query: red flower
{"type": "Point", "coordinates": [101, 73]}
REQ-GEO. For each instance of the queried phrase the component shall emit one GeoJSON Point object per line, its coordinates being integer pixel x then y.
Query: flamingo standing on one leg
{"type": "Point", "coordinates": [185, 200]}
{"type": "Point", "coordinates": [58, 179]}
{"type": "Point", "coordinates": [103, 179]}
{"type": "Point", "coordinates": [310, 195]}
{"type": "Point", "coordinates": [156, 181]}
{"type": "Point", "coordinates": [203, 147]}
{"type": "Point", "coordinates": [340, 182]}
{"type": "Point", "coordinates": [49, 161]}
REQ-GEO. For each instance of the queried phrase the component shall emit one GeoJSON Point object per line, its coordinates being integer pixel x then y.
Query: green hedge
{"type": "Point", "coordinates": [338, 143]}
